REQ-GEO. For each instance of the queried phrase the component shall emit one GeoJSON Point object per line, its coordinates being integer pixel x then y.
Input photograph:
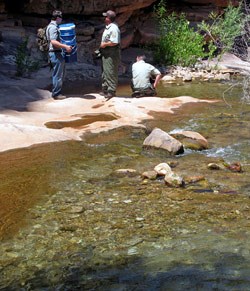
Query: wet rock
{"type": "Point", "coordinates": [89, 192]}
{"type": "Point", "coordinates": [132, 251]}
{"type": "Point", "coordinates": [134, 241]}
{"type": "Point", "coordinates": [173, 180]}
{"type": "Point", "coordinates": [173, 164]}
{"type": "Point", "coordinates": [124, 172]}
{"type": "Point", "coordinates": [215, 166]}
{"type": "Point", "coordinates": [193, 179]}
{"type": "Point", "coordinates": [70, 228]}
{"type": "Point", "coordinates": [168, 79]}
{"type": "Point", "coordinates": [234, 167]}
{"type": "Point", "coordinates": [127, 201]}
{"type": "Point", "coordinates": [151, 175]}
{"type": "Point", "coordinates": [222, 76]}
{"type": "Point", "coordinates": [191, 140]}
{"type": "Point", "coordinates": [160, 139]}
{"type": "Point", "coordinates": [163, 169]}
{"type": "Point", "coordinates": [75, 209]}
{"type": "Point", "coordinates": [139, 218]}
{"type": "Point", "coordinates": [187, 78]}
{"type": "Point", "coordinates": [225, 115]}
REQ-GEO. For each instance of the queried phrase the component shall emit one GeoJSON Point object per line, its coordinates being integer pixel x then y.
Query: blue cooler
{"type": "Point", "coordinates": [68, 37]}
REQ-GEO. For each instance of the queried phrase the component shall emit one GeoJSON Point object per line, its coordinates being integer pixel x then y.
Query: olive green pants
{"type": "Point", "coordinates": [110, 64]}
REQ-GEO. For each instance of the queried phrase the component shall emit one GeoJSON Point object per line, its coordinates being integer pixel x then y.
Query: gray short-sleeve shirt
{"type": "Point", "coordinates": [52, 33]}
{"type": "Point", "coordinates": [141, 73]}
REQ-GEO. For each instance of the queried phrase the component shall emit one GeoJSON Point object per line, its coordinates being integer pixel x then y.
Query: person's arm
{"type": "Point", "coordinates": [58, 44]}
{"type": "Point", "coordinates": [109, 43]}
{"type": "Point", "coordinates": [157, 79]}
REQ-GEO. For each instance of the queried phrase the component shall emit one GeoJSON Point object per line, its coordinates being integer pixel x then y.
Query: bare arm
{"type": "Point", "coordinates": [58, 44]}
{"type": "Point", "coordinates": [157, 79]}
{"type": "Point", "coordinates": [109, 43]}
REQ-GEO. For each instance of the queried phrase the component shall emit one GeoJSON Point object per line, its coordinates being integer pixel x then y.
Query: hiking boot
{"type": "Point", "coordinates": [109, 95]}
{"type": "Point", "coordinates": [136, 94]}
{"type": "Point", "coordinates": [103, 93]}
{"type": "Point", "coordinates": [59, 97]}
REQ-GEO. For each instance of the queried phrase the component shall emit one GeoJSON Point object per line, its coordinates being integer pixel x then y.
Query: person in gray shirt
{"type": "Point", "coordinates": [56, 55]}
{"type": "Point", "coordinates": [142, 73]}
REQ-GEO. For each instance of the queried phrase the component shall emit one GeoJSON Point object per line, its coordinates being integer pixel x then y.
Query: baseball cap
{"type": "Point", "coordinates": [111, 14]}
{"type": "Point", "coordinates": [57, 13]}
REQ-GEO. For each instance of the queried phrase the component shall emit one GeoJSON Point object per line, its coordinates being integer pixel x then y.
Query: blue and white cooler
{"type": "Point", "coordinates": [68, 37]}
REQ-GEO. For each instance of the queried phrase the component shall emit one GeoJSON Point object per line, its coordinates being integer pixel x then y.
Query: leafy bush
{"type": "Point", "coordinates": [24, 64]}
{"type": "Point", "coordinates": [223, 29]}
{"type": "Point", "coordinates": [179, 44]}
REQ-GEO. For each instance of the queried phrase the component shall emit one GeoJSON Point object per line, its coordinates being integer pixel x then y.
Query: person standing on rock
{"type": "Point", "coordinates": [110, 51]}
{"type": "Point", "coordinates": [142, 73]}
{"type": "Point", "coordinates": [56, 55]}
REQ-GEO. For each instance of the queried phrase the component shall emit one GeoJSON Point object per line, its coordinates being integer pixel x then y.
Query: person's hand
{"type": "Point", "coordinates": [68, 49]}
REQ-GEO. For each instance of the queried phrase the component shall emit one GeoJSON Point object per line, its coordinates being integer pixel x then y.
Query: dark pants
{"type": "Point", "coordinates": [110, 65]}
{"type": "Point", "coordinates": [140, 92]}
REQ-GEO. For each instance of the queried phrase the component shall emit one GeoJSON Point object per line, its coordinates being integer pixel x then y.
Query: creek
{"type": "Point", "coordinates": [70, 221]}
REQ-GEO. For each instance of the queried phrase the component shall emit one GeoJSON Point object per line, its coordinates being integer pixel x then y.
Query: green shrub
{"type": "Point", "coordinates": [179, 44]}
{"type": "Point", "coordinates": [24, 64]}
{"type": "Point", "coordinates": [223, 29]}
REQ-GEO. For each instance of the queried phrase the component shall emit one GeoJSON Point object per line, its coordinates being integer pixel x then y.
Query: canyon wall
{"type": "Point", "coordinates": [133, 17]}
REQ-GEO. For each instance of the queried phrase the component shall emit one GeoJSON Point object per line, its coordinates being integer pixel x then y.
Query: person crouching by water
{"type": "Point", "coordinates": [142, 73]}
{"type": "Point", "coordinates": [56, 55]}
{"type": "Point", "coordinates": [110, 51]}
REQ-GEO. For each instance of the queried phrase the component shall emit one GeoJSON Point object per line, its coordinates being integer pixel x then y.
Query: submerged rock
{"type": "Point", "coordinates": [193, 179]}
{"type": "Point", "coordinates": [234, 167]}
{"type": "Point", "coordinates": [215, 166]}
{"type": "Point", "coordinates": [173, 180]}
{"type": "Point", "coordinates": [151, 175]}
{"type": "Point", "coordinates": [126, 172]}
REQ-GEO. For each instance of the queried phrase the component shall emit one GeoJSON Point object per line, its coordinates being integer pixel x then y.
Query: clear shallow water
{"type": "Point", "coordinates": [71, 222]}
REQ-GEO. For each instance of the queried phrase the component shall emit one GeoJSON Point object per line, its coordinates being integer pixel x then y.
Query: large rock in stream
{"type": "Point", "coordinates": [191, 140]}
{"type": "Point", "coordinates": [162, 140]}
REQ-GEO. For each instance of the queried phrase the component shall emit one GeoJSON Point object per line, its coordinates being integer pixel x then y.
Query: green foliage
{"type": "Point", "coordinates": [179, 44]}
{"type": "Point", "coordinates": [223, 29]}
{"type": "Point", "coordinates": [24, 64]}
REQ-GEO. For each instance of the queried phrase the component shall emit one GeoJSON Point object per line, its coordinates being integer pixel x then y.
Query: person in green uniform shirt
{"type": "Point", "coordinates": [142, 74]}
{"type": "Point", "coordinates": [110, 51]}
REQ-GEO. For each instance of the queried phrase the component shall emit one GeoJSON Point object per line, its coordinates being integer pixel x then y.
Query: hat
{"type": "Point", "coordinates": [110, 14]}
{"type": "Point", "coordinates": [57, 13]}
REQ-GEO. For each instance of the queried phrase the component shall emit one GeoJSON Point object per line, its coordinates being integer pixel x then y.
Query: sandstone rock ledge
{"type": "Point", "coordinates": [25, 111]}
